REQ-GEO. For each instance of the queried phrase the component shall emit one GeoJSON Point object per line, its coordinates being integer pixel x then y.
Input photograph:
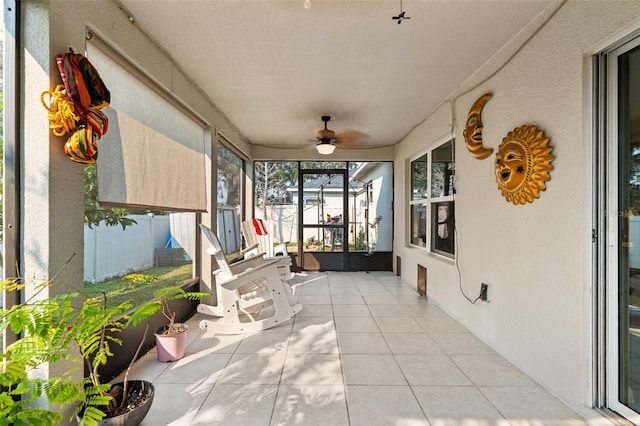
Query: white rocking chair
{"type": "Point", "coordinates": [245, 287]}
{"type": "Point", "coordinates": [259, 242]}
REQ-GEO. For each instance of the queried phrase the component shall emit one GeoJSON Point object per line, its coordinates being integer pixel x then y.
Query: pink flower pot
{"type": "Point", "coordinates": [171, 347]}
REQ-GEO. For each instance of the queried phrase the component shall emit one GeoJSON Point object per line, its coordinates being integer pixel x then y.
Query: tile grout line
{"type": "Point", "coordinates": [344, 382]}
{"type": "Point", "coordinates": [284, 361]}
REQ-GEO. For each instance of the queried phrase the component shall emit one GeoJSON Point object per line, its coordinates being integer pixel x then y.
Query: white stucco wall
{"type": "Point", "coordinates": [536, 257]}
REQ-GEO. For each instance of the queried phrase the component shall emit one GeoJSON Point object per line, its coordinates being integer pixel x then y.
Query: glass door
{"type": "Point", "coordinates": [623, 288]}
{"type": "Point", "coordinates": [323, 219]}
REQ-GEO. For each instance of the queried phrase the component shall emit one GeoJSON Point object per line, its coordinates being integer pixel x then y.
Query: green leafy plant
{"type": "Point", "coordinates": [47, 336]}
{"type": "Point", "coordinates": [50, 328]}
{"type": "Point", "coordinates": [163, 296]}
{"type": "Point", "coordinates": [95, 335]}
{"type": "Point", "coordinates": [360, 242]}
{"type": "Point", "coordinates": [93, 213]}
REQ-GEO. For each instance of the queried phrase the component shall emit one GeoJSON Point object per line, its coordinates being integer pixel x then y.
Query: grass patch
{"type": "Point", "coordinates": [139, 286]}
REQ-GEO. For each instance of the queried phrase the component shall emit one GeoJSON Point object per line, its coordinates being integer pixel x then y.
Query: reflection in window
{"type": "Point", "coordinates": [431, 201]}
{"type": "Point", "coordinates": [442, 232]}
{"type": "Point", "coordinates": [229, 197]}
{"type": "Point", "coordinates": [442, 171]}
{"type": "Point", "coordinates": [419, 173]}
{"type": "Point", "coordinates": [419, 224]}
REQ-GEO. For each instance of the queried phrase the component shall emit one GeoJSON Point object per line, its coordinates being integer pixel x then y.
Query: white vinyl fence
{"type": "Point", "coordinates": [110, 251]}
{"type": "Point", "coordinates": [182, 228]}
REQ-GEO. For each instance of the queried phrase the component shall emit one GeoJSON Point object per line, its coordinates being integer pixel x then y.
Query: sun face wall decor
{"type": "Point", "coordinates": [522, 164]}
{"type": "Point", "coordinates": [473, 129]}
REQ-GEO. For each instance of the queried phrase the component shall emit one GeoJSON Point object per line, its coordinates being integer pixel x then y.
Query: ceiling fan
{"type": "Point", "coordinates": [328, 139]}
{"type": "Point", "coordinates": [400, 16]}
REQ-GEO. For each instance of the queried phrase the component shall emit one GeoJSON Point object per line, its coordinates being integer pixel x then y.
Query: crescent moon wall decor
{"type": "Point", "coordinates": [473, 129]}
{"type": "Point", "coordinates": [523, 163]}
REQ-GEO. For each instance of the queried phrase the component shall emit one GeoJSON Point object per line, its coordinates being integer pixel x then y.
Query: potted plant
{"type": "Point", "coordinates": [50, 328]}
{"type": "Point", "coordinates": [20, 387]}
{"type": "Point", "coordinates": [123, 403]}
{"type": "Point", "coordinates": [171, 338]}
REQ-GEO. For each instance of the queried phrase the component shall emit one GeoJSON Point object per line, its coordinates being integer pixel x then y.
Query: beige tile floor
{"type": "Point", "coordinates": [366, 350]}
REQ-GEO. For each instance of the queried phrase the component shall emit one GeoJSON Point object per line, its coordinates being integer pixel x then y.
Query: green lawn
{"type": "Point", "coordinates": [119, 289]}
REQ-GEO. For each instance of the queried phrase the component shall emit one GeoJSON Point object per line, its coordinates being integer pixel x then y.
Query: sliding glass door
{"type": "Point", "coordinates": [623, 226]}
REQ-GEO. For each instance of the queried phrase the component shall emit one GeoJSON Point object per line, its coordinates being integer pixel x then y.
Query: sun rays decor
{"type": "Point", "coordinates": [522, 164]}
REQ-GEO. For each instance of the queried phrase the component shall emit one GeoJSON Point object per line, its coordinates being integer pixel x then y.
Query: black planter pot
{"type": "Point", "coordinates": [134, 417]}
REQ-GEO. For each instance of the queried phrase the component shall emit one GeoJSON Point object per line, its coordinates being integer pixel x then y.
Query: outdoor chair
{"type": "Point", "coordinates": [260, 243]}
{"type": "Point", "coordinates": [244, 290]}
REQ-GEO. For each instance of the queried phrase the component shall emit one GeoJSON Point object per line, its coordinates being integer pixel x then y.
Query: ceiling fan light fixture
{"type": "Point", "coordinates": [325, 148]}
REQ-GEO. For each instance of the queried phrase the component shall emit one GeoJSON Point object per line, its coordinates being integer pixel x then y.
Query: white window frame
{"type": "Point", "coordinates": [430, 201]}
{"type": "Point", "coordinates": [419, 202]}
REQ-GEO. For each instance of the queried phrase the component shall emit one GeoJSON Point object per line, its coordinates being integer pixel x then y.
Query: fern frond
{"type": "Point", "coordinates": [5, 402]}
{"type": "Point", "coordinates": [61, 391]}
{"type": "Point", "coordinates": [100, 389]}
{"type": "Point", "coordinates": [196, 295]}
{"type": "Point", "coordinates": [12, 372]}
{"type": "Point", "coordinates": [37, 417]}
{"type": "Point", "coordinates": [168, 293]}
{"type": "Point", "coordinates": [145, 312]}
{"type": "Point", "coordinates": [91, 416]}
{"type": "Point", "coordinates": [98, 401]}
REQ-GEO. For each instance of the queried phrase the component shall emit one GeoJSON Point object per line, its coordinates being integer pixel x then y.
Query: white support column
{"type": "Point", "coordinates": [51, 186]}
{"type": "Point", "coordinates": [209, 218]}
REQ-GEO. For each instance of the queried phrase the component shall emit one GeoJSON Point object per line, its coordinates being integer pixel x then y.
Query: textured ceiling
{"type": "Point", "coordinates": [274, 67]}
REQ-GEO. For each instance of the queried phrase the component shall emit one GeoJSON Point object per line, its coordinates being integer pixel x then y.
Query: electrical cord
{"type": "Point", "coordinates": [455, 235]}
{"type": "Point", "coordinates": [455, 228]}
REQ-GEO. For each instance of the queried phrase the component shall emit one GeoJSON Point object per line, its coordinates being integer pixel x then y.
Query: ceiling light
{"type": "Point", "coordinates": [325, 148]}
{"type": "Point", "coordinates": [307, 4]}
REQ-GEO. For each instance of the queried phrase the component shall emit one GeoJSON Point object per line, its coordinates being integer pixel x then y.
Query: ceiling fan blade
{"type": "Point", "coordinates": [350, 138]}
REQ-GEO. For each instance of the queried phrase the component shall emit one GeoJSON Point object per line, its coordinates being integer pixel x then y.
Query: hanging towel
{"type": "Point", "coordinates": [259, 226]}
